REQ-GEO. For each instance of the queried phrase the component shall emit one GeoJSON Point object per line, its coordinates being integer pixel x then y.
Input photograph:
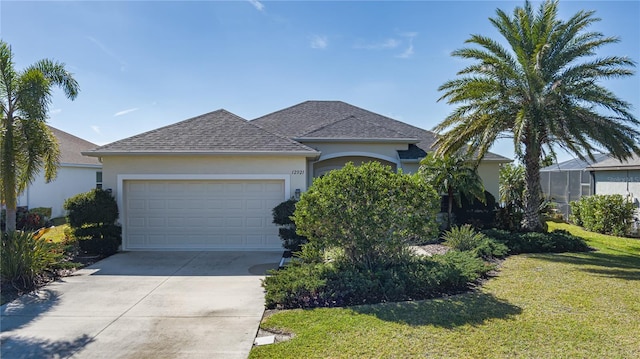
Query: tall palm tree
{"type": "Point", "coordinates": [543, 90]}
{"type": "Point", "coordinates": [512, 182]}
{"type": "Point", "coordinates": [27, 146]}
{"type": "Point", "coordinates": [454, 175]}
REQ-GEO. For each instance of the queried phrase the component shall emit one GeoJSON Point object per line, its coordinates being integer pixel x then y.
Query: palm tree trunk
{"type": "Point", "coordinates": [531, 221]}
{"type": "Point", "coordinates": [8, 173]}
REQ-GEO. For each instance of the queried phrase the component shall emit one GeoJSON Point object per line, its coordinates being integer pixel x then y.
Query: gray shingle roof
{"type": "Point", "coordinates": [353, 127]}
{"type": "Point", "coordinates": [215, 132]}
{"type": "Point", "coordinates": [575, 164]}
{"type": "Point", "coordinates": [71, 148]}
{"type": "Point", "coordinates": [306, 118]}
{"type": "Point", "coordinates": [614, 164]}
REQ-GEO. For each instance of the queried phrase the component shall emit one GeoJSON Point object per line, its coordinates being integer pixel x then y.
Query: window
{"type": "Point", "coordinates": [99, 180]}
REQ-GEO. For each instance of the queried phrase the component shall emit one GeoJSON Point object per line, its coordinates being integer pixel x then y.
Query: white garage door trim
{"type": "Point", "coordinates": [121, 178]}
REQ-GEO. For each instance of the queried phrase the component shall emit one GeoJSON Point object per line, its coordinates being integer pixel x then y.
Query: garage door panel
{"type": "Point", "coordinates": [215, 214]}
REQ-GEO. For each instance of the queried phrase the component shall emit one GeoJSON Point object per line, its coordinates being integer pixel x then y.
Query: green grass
{"type": "Point", "coordinates": [56, 234]}
{"type": "Point", "coordinates": [571, 305]}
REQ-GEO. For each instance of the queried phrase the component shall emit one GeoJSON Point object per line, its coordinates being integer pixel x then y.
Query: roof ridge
{"type": "Point", "coordinates": [280, 136]}
{"type": "Point", "coordinates": [156, 130]}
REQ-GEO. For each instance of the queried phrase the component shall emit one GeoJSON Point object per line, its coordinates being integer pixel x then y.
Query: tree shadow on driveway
{"type": "Point", "coordinates": [469, 308]}
{"type": "Point", "coordinates": [21, 311]}
{"type": "Point", "coordinates": [20, 347]}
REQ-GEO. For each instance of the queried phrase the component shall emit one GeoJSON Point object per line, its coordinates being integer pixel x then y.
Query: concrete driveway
{"type": "Point", "coordinates": [143, 305]}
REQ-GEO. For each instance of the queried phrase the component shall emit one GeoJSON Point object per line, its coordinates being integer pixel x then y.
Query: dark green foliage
{"type": "Point", "coordinates": [340, 284]}
{"type": "Point", "coordinates": [282, 216]}
{"type": "Point", "coordinates": [474, 212]}
{"type": "Point", "coordinates": [44, 212]}
{"type": "Point", "coordinates": [557, 241]}
{"type": "Point", "coordinates": [368, 211]}
{"type": "Point", "coordinates": [24, 258]}
{"type": "Point", "coordinates": [92, 216]}
{"type": "Point", "coordinates": [606, 214]}
{"type": "Point", "coordinates": [465, 238]}
{"type": "Point", "coordinates": [96, 207]}
{"type": "Point", "coordinates": [508, 218]}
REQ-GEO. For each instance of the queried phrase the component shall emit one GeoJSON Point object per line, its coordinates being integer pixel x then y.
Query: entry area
{"type": "Point", "coordinates": [201, 214]}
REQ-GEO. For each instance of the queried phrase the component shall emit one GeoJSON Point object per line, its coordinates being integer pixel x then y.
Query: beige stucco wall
{"type": "Point", "coordinates": [489, 172]}
{"type": "Point", "coordinates": [294, 167]}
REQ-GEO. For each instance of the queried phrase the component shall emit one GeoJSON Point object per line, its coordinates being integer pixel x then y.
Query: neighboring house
{"type": "Point", "coordinates": [76, 174]}
{"type": "Point", "coordinates": [210, 182]}
{"type": "Point", "coordinates": [612, 176]}
{"type": "Point", "coordinates": [568, 181]}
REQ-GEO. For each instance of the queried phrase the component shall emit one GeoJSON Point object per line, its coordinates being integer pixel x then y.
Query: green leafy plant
{"type": "Point", "coordinates": [282, 216]}
{"type": "Point", "coordinates": [24, 258]}
{"type": "Point", "coordinates": [369, 211]}
{"type": "Point", "coordinates": [303, 285]}
{"type": "Point", "coordinates": [556, 241]}
{"type": "Point", "coordinates": [465, 238]}
{"type": "Point", "coordinates": [92, 216]}
{"type": "Point", "coordinates": [606, 214]}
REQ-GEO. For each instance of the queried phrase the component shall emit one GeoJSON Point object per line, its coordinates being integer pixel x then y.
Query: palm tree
{"type": "Point", "coordinates": [543, 91]}
{"type": "Point", "coordinates": [454, 175]}
{"type": "Point", "coordinates": [27, 146]}
{"type": "Point", "coordinates": [512, 183]}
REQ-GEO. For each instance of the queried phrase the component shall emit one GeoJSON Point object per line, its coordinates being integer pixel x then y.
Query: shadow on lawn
{"type": "Point", "coordinates": [471, 308]}
{"type": "Point", "coordinates": [621, 266]}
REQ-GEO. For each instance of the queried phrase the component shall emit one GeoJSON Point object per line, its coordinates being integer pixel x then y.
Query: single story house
{"type": "Point", "coordinates": [210, 182]}
{"type": "Point", "coordinates": [76, 174]}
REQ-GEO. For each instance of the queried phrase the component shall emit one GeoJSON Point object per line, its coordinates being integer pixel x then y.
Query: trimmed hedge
{"type": "Point", "coordinates": [606, 214]}
{"type": "Point", "coordinates": [557, 241]}
{"type": "Point", "coordinates": [303, 285]}
{"type": "Point", "coordinates": [92, 216]}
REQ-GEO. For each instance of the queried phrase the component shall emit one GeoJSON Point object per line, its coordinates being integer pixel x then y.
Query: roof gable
{"type": "Point", "coordinates": [353, 127]}
{"type": "Point", "coordinates": [71, 148]}
{"type": "Point", "coordinates": [215, 132]}
{"type": "Point", "coordinates": [339, 120]}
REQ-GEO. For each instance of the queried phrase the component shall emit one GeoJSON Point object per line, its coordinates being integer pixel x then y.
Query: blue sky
{"type": "Point", "coordinates": [145, 64]}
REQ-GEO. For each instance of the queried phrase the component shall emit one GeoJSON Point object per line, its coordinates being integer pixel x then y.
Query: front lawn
{"type": "Point", "coordinates": [539, 306]}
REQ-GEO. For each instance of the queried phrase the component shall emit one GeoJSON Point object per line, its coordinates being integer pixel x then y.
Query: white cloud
{"type": "Point", "coordinates": [124, 112]}
{"type": "Point", "coordinates": [96, 129]}
{"type": "Point", "coordinates": [257, 4]}
{"type": "Point", "coordinates": [319, 42]}
{"type": "Point", "coordinates": [408, 52]}
{"type": "Point", "coordinates": [384, 45]}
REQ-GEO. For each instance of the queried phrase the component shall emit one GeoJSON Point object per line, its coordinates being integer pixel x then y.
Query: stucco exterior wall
{"type": "Point", "coordinates": [69, 182]}
{"type": "Point", "coordinates": [618, 182]}
{"type": "Point", "coordinates": [490, 172]}
{"type": "Point", "coordinates": [291, 166]}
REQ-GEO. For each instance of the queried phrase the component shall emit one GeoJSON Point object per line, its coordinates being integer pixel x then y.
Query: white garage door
{"type": "Point", "coordinates": [201, 214]}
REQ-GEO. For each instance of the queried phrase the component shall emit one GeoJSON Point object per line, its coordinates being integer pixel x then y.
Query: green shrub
{"type": "Point", "coordinates": [606, 214]}
{"type": "Point", "coordinates": [465, 238]}
{"type": "Point", "coordinates": [369, 211]}
{"type": "Point", "coordinates": [282, 216]}
{"type": "Point", "coordinates": [557, 241]}
{"type": "Point", "coordinates": [303, 285]}
{"type": "Point", "coordinates": [24, 258]}
{"type": "Point", "coordinates": [508, 218]}
{"type": "Point", "coordinates": [44, 212]}
{"type": "Point", "coordinates": [92, 216]}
